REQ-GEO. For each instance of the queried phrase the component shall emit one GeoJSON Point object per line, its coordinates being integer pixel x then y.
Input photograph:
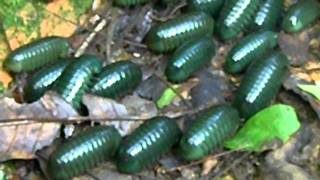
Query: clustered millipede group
{"type": "Point", "coordinates": [189, 37]}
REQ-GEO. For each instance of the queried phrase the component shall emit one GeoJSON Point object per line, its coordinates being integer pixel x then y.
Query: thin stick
{"type": "Point", "coordinates": [89, 39]}
{"type": "Point", "coordinates": [236, 162]}
{"type": "Point", "coordinates": [199, 161]}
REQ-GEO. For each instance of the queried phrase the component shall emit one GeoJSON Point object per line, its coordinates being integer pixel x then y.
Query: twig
{"type": "Point", "coordinates": [140, 45]}
{"type": "Point", "coordinates": [236, 162]}
{"type": "Point", "coordinates": [71, 120]}
{"type": "Point", "coordinates": [167, 17]}
{"type": "Point", "coordinates": [89, 39]}
{"type": "Point", "coordinates": [110, 34]}
{"type": "Point", "coordinates": [90, 174]}
{"type": "Point", "coordinates": [197, 162]}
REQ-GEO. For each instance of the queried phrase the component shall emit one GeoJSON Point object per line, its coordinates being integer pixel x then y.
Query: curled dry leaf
{"type": "Point", "coordinates": [132, 108]}
{"type": "Point", "coordinates": [21, 139]}
{"type": "Point", "coordinates": [208, 165]}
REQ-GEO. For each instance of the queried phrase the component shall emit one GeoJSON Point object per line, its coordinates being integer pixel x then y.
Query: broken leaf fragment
{"type": "Point", "coordinates": [278, 122]}
{"type": "Point", "coordinates": [167, 97]}
{"type": "Point", "coordinates": [311, 89]}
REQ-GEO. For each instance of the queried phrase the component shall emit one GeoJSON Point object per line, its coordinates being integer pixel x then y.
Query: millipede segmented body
{"type": "Point", "coordinates": [37, 54]}
{"type": "Point", "coordinates": [251, 47]}
{"type": "Point", "coordinates": [77, 78]}
{"type": "Point", "coordinates": [42, 81]}
{"type": "Point", "coordinates": [84, 151]}
{"type": "Point", "coordinates": [300, 15]}
{"type": "Point", "coordinates": [129, 2]}
{"type": "Point", "coordinates": [189, 58]}
{"type": "Point", "coordinates": [173, 33]}
{"type": "Point", "coordinates": [146, 144]}
{"type": "Point", "coordinates": [268, 15]}
{"type": "Point", "coordinates": [261, 83]}
{"type": "Point", "coordinates": [208, 132]}
{"type": "Point", "coordinates": [117, 79]}
{"type": "Point", "coordinates": [211, 7]}
{"type": "Point", "coordinates": [235, 16]}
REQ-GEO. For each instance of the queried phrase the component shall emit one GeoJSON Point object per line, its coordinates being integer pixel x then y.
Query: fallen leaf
{"type": "Point", "coordinates": [276, 122]}
{"type": "Point", "coordinates": [20, 140]}
{"type": "Point", "coordinates": [167, 97]}
{"type": "Point", "coordinates": [131, 107]}
{"type": "Point", "coordinates": [291, 84]}
{"type": "Point", "coordinates": [311, 89]}
{"type": "Point", "coordinates": [208, 165]}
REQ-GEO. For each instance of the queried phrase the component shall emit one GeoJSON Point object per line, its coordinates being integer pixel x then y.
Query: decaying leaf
{"type": "Point", "coordinates": [131, 108]}
{"type": "Point", "coordinates": [311, 89]}
{"type": "Point", "coordinates": [167, 97]}
{"type": "Point", "coordinates": [272, 123]}
{"type": "Point", "coordinates": [291, 84]}
{"type": "Point", "coordinates": [20, 139]}
{"type": "Point", "coordinates": [208, 165]}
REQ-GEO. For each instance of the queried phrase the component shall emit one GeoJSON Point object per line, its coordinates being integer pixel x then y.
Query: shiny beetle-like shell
{"type": "Point", "coordinates": [146, 144]}
{"type": "Point", "coordinates": [42, 81]}
{"type": "Point", "coordinates": [129, 2]}
{"type": "Point", "coordinates": [83, 152]}
{"type": "Point", "coordinates": [268, 15]}
{"type": "Point", "coordinates": [189, 58]}
{"type": "Point", "coordinates": [117, 79]}
{"type": "Point", "coordinates": [235, 16]}
{"type": "Point", "coordinates": [249, 48]}
{"type": "Point", "coordinates": [261, 84]}
{"type": "Point", "coordinates": [169, 35]}
{"type": "Point", "coordinates": [300, 15]}
{"type": "Point", "coordinates": [76, 79]}
{"type": "Point", "coordinates": [208, 132]}
{"type": "Point", "coordinates": [36, 54]}
{"type": "Point", "coordinates": [211, 7]}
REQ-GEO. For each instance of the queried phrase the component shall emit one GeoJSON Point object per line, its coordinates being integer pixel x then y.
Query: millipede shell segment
{"type": "Point", "coordinates": [77, 78]}
{"type": "Point", "coordinates": [146, 144]}
{"type": "Point", "coordinates": [43, 80]}
{"type": "Point", "coordinates": [211, 7]}
{"type": "Point", "coordinates": [300, 15]}
{"type": "Point", "coordinates": [261, 84]}
{"type": "Point", "coordinates": [268, 15]}
{"type": "Point", "coordinates": [189, 58]}
{"type": "Point", "coordinates": [251, 47]}
{"type": "Point", "coordinates": [129, 2]}
{"type": "Point", "coordinates": [117, 79]}
{"type": "Point", "coordinates": [236, 16]}
{"type": "Point", "coordinates": [84, 151]}
{"type": "Point", "coordinates": [169, 35]}
{"type": "Point", "coordinates": [36, 54]}
{"type": "Point", "coordinates": [208, 132]}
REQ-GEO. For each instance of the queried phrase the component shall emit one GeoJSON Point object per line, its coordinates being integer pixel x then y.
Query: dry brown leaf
{"type": "Point", "coordinates": [20, 140]}
{"type": "Point", "coordinates": [208, 165]}
{"type": "Point", "coordinates": [131, 107]}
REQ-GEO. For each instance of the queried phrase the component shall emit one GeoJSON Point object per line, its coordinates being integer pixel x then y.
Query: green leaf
{"type": "Point", "coordinates": [167, 97]}
{"type": "Point", "coordinates": [272, 123]}
{"type": "Point", "coordinates": [311, 89]}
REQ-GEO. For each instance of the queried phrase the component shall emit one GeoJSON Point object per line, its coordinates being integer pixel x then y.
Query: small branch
{"type": "Point", "coordinates": [236, 162]}
{"type": "Point", "coordinates": [178, 168]}
{"type": "Point", "coordinates": [89, 39]}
